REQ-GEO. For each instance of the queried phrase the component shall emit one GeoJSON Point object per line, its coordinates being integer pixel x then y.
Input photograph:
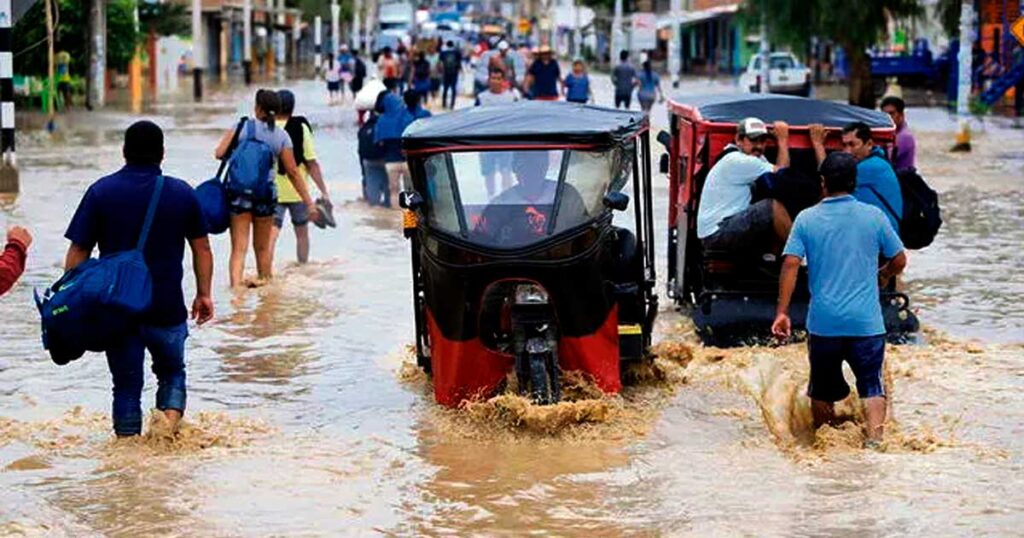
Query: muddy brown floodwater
{"type": "Point", "coordinates": [305, 417]}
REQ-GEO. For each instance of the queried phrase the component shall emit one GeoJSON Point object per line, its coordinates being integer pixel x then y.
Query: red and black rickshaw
{"type": "Point", "coordinates": [517, 263]}
{"type": "Point", "coordinates": [731, 296]}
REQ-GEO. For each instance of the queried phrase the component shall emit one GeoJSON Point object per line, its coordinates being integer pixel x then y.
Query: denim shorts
{"type": "Point", "coordinates": [298, 210]}
{"type": "Point", "coordinates": [864, 354]}
{"type": "Point", "coordinates": [240, 204]}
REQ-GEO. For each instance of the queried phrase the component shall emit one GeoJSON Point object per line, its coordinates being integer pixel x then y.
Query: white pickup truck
{"type": "Point", "coordinates": [785, 75]}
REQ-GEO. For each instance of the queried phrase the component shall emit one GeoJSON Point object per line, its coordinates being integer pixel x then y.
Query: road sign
{"type": "Point", "coordinates": [1018, 29]}
{"type": "Point", "coordinates": [645, 32]}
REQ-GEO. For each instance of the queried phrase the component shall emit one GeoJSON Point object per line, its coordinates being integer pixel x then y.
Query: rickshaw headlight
{"type": "Point", "coordinates": [531, 294]}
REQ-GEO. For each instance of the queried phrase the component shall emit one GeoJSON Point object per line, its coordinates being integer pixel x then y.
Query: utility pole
{"type": "Point", "coordinates": [51, 89]}
{"type": "Point", "coordinates": [357, 25]}
{"type": "Point", "coordinates": [280, 41]}
{"type": "Point", "coordinates": [617, 44]}
{"type": "Point", "coordinates": [963, 94]}
{"type": "Point", "coordinates": [675, 44]}
{"type": "Point", "coordinates": [335, 28]}
{"type": "Point", "coordinates": [135, 70]}
{"type": "Point", "coordinates": [8, 162]}
{"type": "Point", "coordinates": [97, 76]}
{"type": "Point", "coordinates": [764, 85]}
{"type": "Point", "coordinates": [247, 41]}
{"type": "Point", "coordinates": [577, 36]}
{"type": "Point", "coordinates": [296, 36]}
{"type": "Point", "coordinates": [317, 50]}
{"type": "Point", "coordinates": [197, 50]}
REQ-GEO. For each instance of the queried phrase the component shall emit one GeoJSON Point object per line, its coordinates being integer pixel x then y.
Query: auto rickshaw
{"type": "Point", "coordinates": [520, 263]}
{"type": "Point", "coordinates": [731, 296]}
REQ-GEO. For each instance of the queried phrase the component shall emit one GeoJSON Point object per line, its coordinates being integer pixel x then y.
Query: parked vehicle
{"type": "Point", "coordinates": [785, 75]}
{"type": "Point", "coordinates": [731, 296]}
{"type": "Point", "coordinates": [532, 278]}
{"type": "Point", "coordinates": [395, 22]}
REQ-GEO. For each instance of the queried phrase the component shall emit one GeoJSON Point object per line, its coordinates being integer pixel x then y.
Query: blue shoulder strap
{"type": "Point", "coordinates": [150, 212]}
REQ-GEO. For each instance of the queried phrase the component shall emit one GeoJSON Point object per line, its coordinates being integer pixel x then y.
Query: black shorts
{"type": "Point", "coordinates": [864, 354]}
{"type": "Point", "coordinates": [744, 230]}
{"type": "Point", "coordinates": [624, 99]}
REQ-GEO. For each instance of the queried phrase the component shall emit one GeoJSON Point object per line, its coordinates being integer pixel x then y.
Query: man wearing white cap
{"type": "Point", "coordinates": [493, 58]}
{"type": "Point", "coordinates": [726, 220]}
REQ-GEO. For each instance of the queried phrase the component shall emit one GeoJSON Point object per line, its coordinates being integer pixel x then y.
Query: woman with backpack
{"type": "Point", "coordinates": [252, 194]}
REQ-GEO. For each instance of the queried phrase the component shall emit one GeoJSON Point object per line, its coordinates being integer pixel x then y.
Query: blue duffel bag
{"type": "Point", "coordinates": [213, 196]}
{"type": "Point", "coordinates": [95, 304]}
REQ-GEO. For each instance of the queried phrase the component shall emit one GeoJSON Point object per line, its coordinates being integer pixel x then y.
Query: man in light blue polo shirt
{"type": "Point", "coordinates": [842, 239]}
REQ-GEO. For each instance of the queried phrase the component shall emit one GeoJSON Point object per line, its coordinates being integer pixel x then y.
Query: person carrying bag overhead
{"type": "Point", "coordinates": [251, 192]}
{"type": "Point", "coordinates": [132, 295]}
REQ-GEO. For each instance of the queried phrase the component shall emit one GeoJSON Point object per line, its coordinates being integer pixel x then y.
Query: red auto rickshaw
{"type": "Point", "coordinates": [731, 296]}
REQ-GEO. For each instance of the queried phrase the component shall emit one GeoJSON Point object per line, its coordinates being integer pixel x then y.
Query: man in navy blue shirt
{"type": "Point", "coordinates": [842, 240]}
{"type": "Point", "coordinates": [544, 76]}
{"type": "Point", "coordinates": [110, 216]}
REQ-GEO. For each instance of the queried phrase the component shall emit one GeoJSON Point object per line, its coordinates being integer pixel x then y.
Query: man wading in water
{"type": "Point", "coordinates": [111, 215]}
{"type": "Point", "coordinates": [841, 239]}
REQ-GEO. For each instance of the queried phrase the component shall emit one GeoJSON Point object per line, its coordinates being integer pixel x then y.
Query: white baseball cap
{"type": "Point", "coordinates": [752, 128]}
{"type": "Point", "coordinates": [503, 45]}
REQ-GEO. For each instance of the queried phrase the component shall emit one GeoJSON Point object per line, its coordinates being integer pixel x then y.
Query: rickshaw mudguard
{"type": "Point", "coordinates": [596, 355]}
{"type": "Point", "coordinates": [467, 370]}
{"type": "Point", "coordinates": [463, 370]}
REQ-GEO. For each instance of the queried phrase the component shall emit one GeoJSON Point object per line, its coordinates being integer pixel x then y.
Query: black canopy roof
{"type": "Point", "coordinates": [774, 107]}
{"type": "Point", "coordinates": [525, 123]}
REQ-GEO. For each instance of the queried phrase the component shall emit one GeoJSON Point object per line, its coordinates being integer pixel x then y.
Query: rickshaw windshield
{"type": "Point", "coordinates": [510, 199]}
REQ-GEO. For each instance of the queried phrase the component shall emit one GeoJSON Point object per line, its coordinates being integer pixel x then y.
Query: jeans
{"type": "Point", "coordinates": [450, 85]}
{"type": "Point", "coordinates": [167, 347]}
{"type": "Point", "coordinates": [376, 176]}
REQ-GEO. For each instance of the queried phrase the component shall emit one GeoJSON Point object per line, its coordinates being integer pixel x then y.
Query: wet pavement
{"type": "Point", "coordinates": [301, 423]}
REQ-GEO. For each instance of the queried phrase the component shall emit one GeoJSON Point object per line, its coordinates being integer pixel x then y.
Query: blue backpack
{"type": "Point", "coordinates": [95, 304]}
{"type": "Point", "coordinates": [250, 166]}
{"type": "Point", "coordinates": [213, 195]}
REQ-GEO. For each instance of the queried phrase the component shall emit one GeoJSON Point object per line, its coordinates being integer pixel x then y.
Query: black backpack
{"type": "Point", "coordinates": [294, 129]}
{"type": "Point", "coordinates": [921, 217]}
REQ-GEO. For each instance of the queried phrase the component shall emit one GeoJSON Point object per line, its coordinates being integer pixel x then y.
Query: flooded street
{"type": "Point", "coordinates": [302, 420]}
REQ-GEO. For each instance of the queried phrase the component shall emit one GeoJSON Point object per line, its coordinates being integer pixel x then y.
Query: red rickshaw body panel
{"type": "Point", "coordinates": [467, 370]}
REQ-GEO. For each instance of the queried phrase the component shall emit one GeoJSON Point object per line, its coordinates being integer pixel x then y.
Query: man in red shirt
{"type": "Point", "coordinates": [12, 260]}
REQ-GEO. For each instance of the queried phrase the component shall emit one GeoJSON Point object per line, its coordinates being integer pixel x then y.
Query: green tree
{"type": "Point", "coordinates": [855, 26]}
{"type": "Point", "coordinates": [165, 19]}
{"type": "Point", "coordinates": [949, 13]}
{"type": "Point", "coordinates": [71, 35]}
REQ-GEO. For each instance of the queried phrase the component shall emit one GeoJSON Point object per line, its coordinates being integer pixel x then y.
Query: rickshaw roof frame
{"type": "Point", "coordinates": [718, 111]}
{"type": "Point", "coordinates": [523, 126]}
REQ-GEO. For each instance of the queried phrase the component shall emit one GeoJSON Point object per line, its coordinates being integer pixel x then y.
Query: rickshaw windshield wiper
{"type": "Point", "coordinates": [563, 170]}
{"type": "Point", "coordinates": [459, 212]}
